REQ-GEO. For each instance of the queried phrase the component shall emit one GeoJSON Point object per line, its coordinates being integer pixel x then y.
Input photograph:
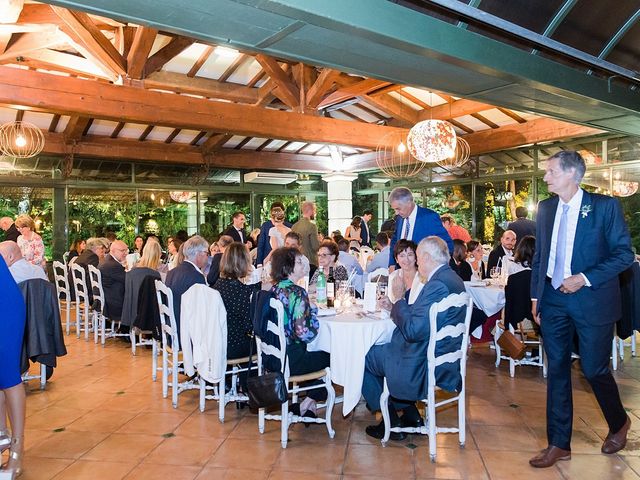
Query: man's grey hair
{"type": "Point", "coordinates": [95, 242]}
{"type": "Point", "coordinates": [225, 240]}
{"type": "Point", "coordinates": [193, 246]}
{"type": "Point", "coordinates": [437, 249]}
{"type": "Point", "coordinates": [569, 159]}
{"type": "Point", "coordinates": [401, 194]}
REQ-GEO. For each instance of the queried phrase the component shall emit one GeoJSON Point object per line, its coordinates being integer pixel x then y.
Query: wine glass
{"type": "Point", "coordinates": [494, 272]}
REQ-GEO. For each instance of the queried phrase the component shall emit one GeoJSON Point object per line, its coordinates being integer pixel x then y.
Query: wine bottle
{"type": "Point", "coordinates": [331, 288]}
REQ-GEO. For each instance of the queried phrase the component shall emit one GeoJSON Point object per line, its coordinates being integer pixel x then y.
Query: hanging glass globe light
{"type": "Point", "coordinates": [21, 139]}
{"type": "Point", "coordinates": [393, 158]}
{"type": "Point", "coordinates": [181, 197]}
{"type": "Point", "coordinates": [432, 140]}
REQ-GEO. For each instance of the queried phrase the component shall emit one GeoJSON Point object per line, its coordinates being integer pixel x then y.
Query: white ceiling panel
{"type": "Point", "coordinates": [254, 143]}
{"type": "Point", "coordinates": [183, 62]}
{"type": "Point", "coordinates": [245, 72]}
{"type": "Point", "coordinates": [132, 130]}
{"type": "Point", "coordinates": [102, 127]}
{"type": "Point", "coordinates": [159, 42]}
{"type": "Point", "coordinates": [39, 119]}
{"type": "Point", "coordinates": [405, 101]}
{"type": "Point", "coordinates": [185, 136]}
{"type": "Point", "coordinates": [497, 117]}
{"type": "Point", "coordinates": [472, 123]}
{"type": "Point", "coordinates": [233, 141]}
{"type": "Point", "coordinates": [427, 97]}
{"type": "Point", "coordinates": [274, 145]}
{"type": "Point", "coordinates": [159, 134]}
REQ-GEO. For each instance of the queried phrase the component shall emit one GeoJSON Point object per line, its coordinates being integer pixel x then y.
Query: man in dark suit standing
{"type": "Point", "coordinates": [403, 361]}
{"type": "Point", "coordinates": [365, 234]}
{"type": "Point", "coordinates": [582, 245]}
{"type": "Point", "coordinates": [522, 226]}
{"type": "Point", "coordinates": [413, 222]}
{"type": "Point", "coordinates": [507, 244]}
{"type": "Point", "coordinates": [189, 272]}
{"type": "Point", "coordinates": [236, 229]}
{"type": "Point", "coordinates": [10, 231]}
{"type": "Point", "coordinates": [113, 277]}
{"type": "Point", "coordinates": [264, 245]}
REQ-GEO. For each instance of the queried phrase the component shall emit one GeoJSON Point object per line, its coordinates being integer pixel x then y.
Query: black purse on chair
{"type": "Point", "coordinates": [267, 389]}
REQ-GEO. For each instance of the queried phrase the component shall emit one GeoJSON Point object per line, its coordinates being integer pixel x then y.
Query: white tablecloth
{"type": "Point", "coordinates": [348, 337]}
{"type": "Point", "coordinates": [489, 299]}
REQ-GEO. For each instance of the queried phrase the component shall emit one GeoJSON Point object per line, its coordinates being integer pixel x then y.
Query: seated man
{"type": "Point", "coordinates": [113, 278]}
{"type": "Point", "coordinates": [403, 361]}
{"type": "Point", "coordinates": [189, 272]}
{"type": "Point", "coordinates": [380, 259]}
{"type": "Point", "coordinates": [20, 269]}
{"type": "Point", "coordinates": [505, 249]}
{"type": "Point", "coordinates": [345, 258]}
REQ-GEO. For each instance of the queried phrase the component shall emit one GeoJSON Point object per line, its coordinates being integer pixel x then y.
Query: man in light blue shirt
{"type": "Point", "coordinates": [380, 259]}
{"type": "Point", "coordinates": [345, 258]}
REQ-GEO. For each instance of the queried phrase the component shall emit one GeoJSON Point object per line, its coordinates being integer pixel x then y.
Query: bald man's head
{"type": "Point", "coordinates": [10, 252]}
{"type": "Point", "coordinates": [119, 250]}
{"type": "Point", "coordinates": [5, 223]}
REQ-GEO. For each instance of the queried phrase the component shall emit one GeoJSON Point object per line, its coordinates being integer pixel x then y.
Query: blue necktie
{"type": "Point", "coordinates": [406, 229]}
{"type": "Point", "coordinates": [561, 250]}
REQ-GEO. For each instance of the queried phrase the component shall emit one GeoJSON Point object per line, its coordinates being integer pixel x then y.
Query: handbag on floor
{"type": "Point", "coordinates": [510, 344]}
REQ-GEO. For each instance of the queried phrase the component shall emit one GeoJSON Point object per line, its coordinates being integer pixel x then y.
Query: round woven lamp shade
{"type": "Point", "coordinates": [394, 159]}
{"type": "Point", "coordinates": [21, 139]}
{"type": "Point", "coordinates": [432, 140]}
{"type": "Point", "coordinates": [460, 158]}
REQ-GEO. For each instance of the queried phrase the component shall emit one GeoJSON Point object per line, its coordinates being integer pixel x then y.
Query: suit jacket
{"type": "Point", "coordinates": [495, 256]}
{"type": "Point", "coordinates": [405, 357]}
{"type": "Point", "coordinates": [233, 233]}
{"type": "Point", "coordinates": [179, 280]}
{"type": "Point", "coordinates": [132, 283]}
{"type": "Point", "coordinates": [365, 235]}
{"type": "Point", "coordinates": [308, 232]}
{"type": "Point", "coordinates": [427, 223]}
{"type": "Point", "coordinates": [517, 299]}
{"type": "Point", "coordinates": [113, 278]}
{"type": "Point", "coordinates": [523, 227]}
{"type": "Point", "coordinates": [264, 245]}
{"type": "Point", "coordinates": [12, 233]}
{"type": "Point", "coordinates": [214, 269]}
{"type": "Point", "coordinates": [601, 251]}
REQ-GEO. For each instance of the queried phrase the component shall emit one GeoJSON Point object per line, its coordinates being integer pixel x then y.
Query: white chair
{"type": "Point", "coordinates": [42, 376]}
{"type": "Point", "coordinates": [82, 300]}
{"type": "Point", "coordinates": [285, 417]}
{"type": "Point", "coordinates": [99, 318]}
{"type": "Point", "coordinates": [430, 427]}
{"type": "Point", "coordinates": [631, 343]}
{"type": "Point", "coordinates": [63, 291]}
{"type": "Point", "coordinates": [377, 273]}
{"type": "Point", "coordinates": [524, 335]}
{"type": "Point", "coordinates": [365, 255]}
{"type": "Point", "coordinates": [170, 352]}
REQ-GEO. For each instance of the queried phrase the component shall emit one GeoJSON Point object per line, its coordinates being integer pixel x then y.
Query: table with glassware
{"type": "Point", "coordinates": [348, 334]}
{"type": "Point", "coordinates": [488, 296]}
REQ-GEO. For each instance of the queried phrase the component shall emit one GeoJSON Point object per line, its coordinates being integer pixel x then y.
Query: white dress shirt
{"type": "Point", "coordinates": [23, 270]}
{"type": "Point", "coordinates": [412, 223]}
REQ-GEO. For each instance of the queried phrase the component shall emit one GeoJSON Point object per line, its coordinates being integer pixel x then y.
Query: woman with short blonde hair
{"type": "Point", "coordinates": [30, 243]}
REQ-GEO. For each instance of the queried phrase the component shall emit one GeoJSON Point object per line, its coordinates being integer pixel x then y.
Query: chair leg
{"type": "Point", "coordinates": [512, 368]}
{"type": "Point", "coordinates": [68, 315]}
{"type": "Point", "coordinates": [498, 350]}
{"type": "Point", "coordinates": [284, 424]}
{"type": "Point", "coordinates": [103, 327]}
{"type": "Point", "coordinates": [462, 418]}
{"type": "Point", "coordinates": [222, 399]}
{"type": "Point", "coordinates": [174, 382]}
{"type": "Point", "coordinates": [431, 419]}
{"type": "Point", "coordinates": [614, 355]}
{"type": "Point", "coordinates": [261, 420]}
{"type": "Point", "coordinates": [43, 376]}
{"type": "Point", "coordinates": [78, 319]}
{"type": "Point", "coordinates": [86, 322]}
{"type": "Point", "coordinates": [203, 392]}
{"type": "Point", "coordinates": [95, 324]}
{"type": "Point", "coordinates": [331, 398]}
{"type": "Point", "coordinates": [384, 409]}
{"type": "Point", "coordinates": [154, 359]}
{"type": "Point", "coordinates": [132, 337]}
{"type": "Point", "coordinates": [165, 374]}
{"type": "Point", "coordinates": [621, 349]}
{"type": "Point", "coordinates": [633, 344]}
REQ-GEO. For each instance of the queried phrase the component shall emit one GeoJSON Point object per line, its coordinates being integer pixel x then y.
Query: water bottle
{"type": "Point", "coordinates": [321, 289]}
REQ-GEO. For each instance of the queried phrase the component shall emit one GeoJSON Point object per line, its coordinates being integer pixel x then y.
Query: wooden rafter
{"type": "Point", "coordinates": [175, 47]}
{"type": "Point", "coordinates": [172, 135]}
{"type": "Point", "coordinates": [360, 88]}
{"type": "Point", "coordinates": [286, 90]}
{"type": "Point", "coordinates": [413, 99]}
{"type": "Point", "coordinates": [54, 123]}
{"type": "Point", "coordinates": [206, 53]}
{"type": "Point", "coordinates": [456, 109]}
{"type": "Point", "coordinates": [201, 86]}
{"type": "Point", "coordinates": [117, 130]}
{"type": "Point", "coordinates": [392, 107]}
{"type": "Point", "coordinates": [461, 126]}
{"type": "Point", "coordinates": [29, 42]}
{"type": "Point", "coordinates": [143, 136]}
{"type": "Point", "coordinates": [256, 78]}
{"type": "Point", "coordinates": [214, 143]}
{"type": "Point", "coordinates": [240, 59]}
{"type": "Point", "coordinates": [197, 138]}
{"type": "Point", "coordinates": [321, 86]}
{"type": "Point", "coordinates": [64, 62]}
{"type": "Point", "coordinates": [139, 51]}
{"type": "Point", "coordinates": [75, 128]}
{"type": "Point", "coordinates": [485, 120]}
{"type": "Point", "coordinates": [89, 40]}
{"type": "Point", "coordinates": [265, 94]}
{"type": "Point", "coordinates": [242, 143]}
{"type": "Point", "coordinates": [513, 115]}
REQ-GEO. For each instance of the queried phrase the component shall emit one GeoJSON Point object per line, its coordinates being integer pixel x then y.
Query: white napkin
{"type": "Point", "coordinates": [370, 296]}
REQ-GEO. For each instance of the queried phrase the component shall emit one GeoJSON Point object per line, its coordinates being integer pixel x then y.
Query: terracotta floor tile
{"type": "Point", "coordinates": [39, 468]}
{"type": "Point", "coordinates": [95, 470]}
{"type": "Point", "coordinates": [100, 420]}
{"type": "Point", "coordinates": [505, 438]}
{"type": "Point", "coordinates": [584, 466]}
{"type": "Point", "coordinates": [516, 465]}
{"type": "Point", "coordinates": [154, 423]}
{"type": "Point", "coordinates": [369, 459]}
{"type": "Point", "coordinates": [125, 448]}
{"type": "Point", "coordinates": [451, 463]}
{"type": "Point", "coordinates": [217, 473]}
{"type": "Point", "coordinates": [147, 471]}
{"type": "Point", "coordinates": [33, 437]}
{"type": "Point", "coordinates": [279, 475]}
{"type": "Point", "coordinates": [236, 454]}
{"type": "Point", "coordinates": [200, 425]}
{"type": "Point", "coordinates": [54, 417]}
{"type": "Point", "coordinates": [308, 458]}
{"type": "Point", "coordinates": [68, 444]}
{"type": "Point", "coordinates": [179, 450]}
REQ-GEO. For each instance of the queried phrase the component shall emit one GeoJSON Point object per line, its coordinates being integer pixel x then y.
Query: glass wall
{"type": "Point", "coordinates": [218, 209]}
{"type": "Point", "coordinates": [163, 213]}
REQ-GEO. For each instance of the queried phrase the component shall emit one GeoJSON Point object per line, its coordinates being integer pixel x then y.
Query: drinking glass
{"type": "Point", "coordinates": [494, 272]}
{"type": "Point", "coordinates": [382, 289]}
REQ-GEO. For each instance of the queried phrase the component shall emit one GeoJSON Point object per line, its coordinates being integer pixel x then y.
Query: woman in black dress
{"type": "Point", "coordinates": [458, 262]}
{"type": "Point", "coordinates": [234, 265]}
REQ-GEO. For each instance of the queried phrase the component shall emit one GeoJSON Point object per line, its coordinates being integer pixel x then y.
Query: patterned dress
{"type": "Point", "coordinates": [300, 317]}
{"type": "Point", "coordinates": [32, 250]}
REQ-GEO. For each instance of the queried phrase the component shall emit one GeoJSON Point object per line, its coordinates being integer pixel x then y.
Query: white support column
{"type": "Point", "coordinates": [340, 199]}
{"type": "Point", "coordinates": [192, 216]}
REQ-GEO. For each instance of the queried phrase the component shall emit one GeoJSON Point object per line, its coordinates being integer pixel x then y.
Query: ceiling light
{"type": "Point", "coordinates": [21, 139]}
{"type": "Point", "coordinates": [432, 140]}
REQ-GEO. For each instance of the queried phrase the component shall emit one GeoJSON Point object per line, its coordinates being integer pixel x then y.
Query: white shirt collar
{"type": "Point", "coordinates": [575, 201]}
{"type": "Point", "coordinates": [194, 266]}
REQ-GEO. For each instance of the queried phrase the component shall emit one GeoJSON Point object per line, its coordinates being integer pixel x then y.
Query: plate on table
{"type": "Point", "coordinates": [326, 312]}
{"type": "Point", "coordinates": [477, 283]}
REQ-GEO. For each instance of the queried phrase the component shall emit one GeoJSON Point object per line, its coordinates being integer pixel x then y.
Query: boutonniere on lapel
{"type": "Point", "coordinates": [585, 210]}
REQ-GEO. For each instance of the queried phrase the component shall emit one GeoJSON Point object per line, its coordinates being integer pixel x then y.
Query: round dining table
{"type": "Point", "coordinates": [347, 337]}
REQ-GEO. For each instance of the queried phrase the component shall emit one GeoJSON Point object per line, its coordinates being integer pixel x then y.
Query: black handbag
{"type": "Point", "coordinates": [267, 389]}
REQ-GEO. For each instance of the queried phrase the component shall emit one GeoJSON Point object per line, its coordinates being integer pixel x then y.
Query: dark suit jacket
{"type": "Point", "coordinates": [214, 269]}
{"type": "Point", "coordinates": [179, 280]}
{"type": "Point", "coordinates": [602, 250]}
{"type": "Point", "coordinates": [113, 277]}
{"type": "Point", "coordinates": [517, 299]}
{"type": "Point", "coordinates": [463, 270]}
{"type": "Point", "coordinates": [233, 233]}
{"type": "Point", "coordinates": [264, 245]}
{"type": "Point", "coordinates": [12, 233]}
{"type": "Point", "coordinates": [405, 362]}
{"type": "Point", "coordinates": [523, 227]}
{"type": "Point", "coordinates": [494, 257]}
{"type": "Point", "coordinates": [133, 280]}
{"type": "Point", "coordinates": [365, 235]}
{"type": "Point", "coordinates": [427, 223]}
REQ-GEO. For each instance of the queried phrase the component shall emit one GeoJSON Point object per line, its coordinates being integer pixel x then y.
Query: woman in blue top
{"type": "Point", "coordinates": [300, 321]}
{"type": "Point", "coordinates": [12, 396]}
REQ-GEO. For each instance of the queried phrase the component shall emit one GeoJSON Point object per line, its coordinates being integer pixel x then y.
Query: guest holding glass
{"type": "Point", "coordinates": [475, 253]}
{"type": "Point", "coordinates": [404, 253]}
{"type": "Point", "coordinates": [30, 242]}
{"type": "Point", "coordinates": [458, 262]}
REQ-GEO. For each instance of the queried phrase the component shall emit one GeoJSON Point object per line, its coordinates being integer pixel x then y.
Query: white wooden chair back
{"type": "Point", "coordinates": [82, 298]}
{"type": "Point", "coordinates": [63, 291]}
{"type": "Point", "coordinates": [95, 277]}
{"type": "Point", "coordinates": [279, 352]}
{"type": "Point", "coordinates": [167, 315]}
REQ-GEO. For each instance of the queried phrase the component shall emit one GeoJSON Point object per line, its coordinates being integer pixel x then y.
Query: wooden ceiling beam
{"type": "Point", "coordinates": [323, 83]}
{"type": "Point", "coordinates": [231, 69]}
{"type": "Point", "coordinates": [286, 90]}
{"type": "Point", "coordinates": [139, 51]}
{"type": "Point", "coordinates": [214, 143]}
{"type": "Point", "coordinates": [360, 88]}
{"type": "Point", "coordinates": [80, 28]}
{"type": "Point", "coordinates": [513, 115]}
{"type": "Point", "coordinates": [485, 120]}
{"type": "Point", "coordinates": [413, 99]}
{"type": "Point", "coordinates": [201, 86]}
{"type": "Point", "coordinates": [204, 56]}
{"type": "Point", "coordinates": [456, 109]}
{"type": "Point", "coordinates": [75, 128]}
{"type": "Point", "coordinates": [29, 42]}
{"type": "Point", "coordinates": [64, 62]}
{"type": "Point", "coordinates": [392, 107]}
{"type": "Point", "coordinates": [175, 47]}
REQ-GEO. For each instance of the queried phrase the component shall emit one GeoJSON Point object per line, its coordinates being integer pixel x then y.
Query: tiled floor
{"type": "Point", "coordinates": [102, 417]}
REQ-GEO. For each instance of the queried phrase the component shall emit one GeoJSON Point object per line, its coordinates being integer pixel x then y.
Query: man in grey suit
{"type": "Point", "coordinates": [308, 232]}
{"type": "Point", "coordinates": [403, 361]}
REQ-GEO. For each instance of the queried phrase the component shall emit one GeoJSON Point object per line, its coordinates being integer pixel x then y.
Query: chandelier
{"type": "Point", "coordinates": [181, 197]}
{"type": "Point", "coordinates": [431, 141]}
{"type": "Point", "coordinates": [21, 139]}
{"type": "Point", "coordinates": [461, 156]}
{"type": "Point", "coordinates": [394, 159]}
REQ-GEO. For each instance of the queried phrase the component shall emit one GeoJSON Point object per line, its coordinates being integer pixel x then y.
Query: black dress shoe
{"type": "Point", "coordinates": [377, 431]}
{"type": "Point", "coordinates": [411, 418]}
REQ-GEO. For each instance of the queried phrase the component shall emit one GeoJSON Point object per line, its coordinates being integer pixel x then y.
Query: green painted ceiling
{"type": "Point", "coordinates": [383, 40]}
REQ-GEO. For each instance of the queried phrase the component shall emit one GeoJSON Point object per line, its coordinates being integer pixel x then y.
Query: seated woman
{"type": "Point", "coordinates": [236, 297]}
{"type": "Point", "coordinates": [475, 253]}
{"type": "Point", "coordinates": [300, 321]}
{"type": "Point", "coordinates": [517, 298]}
{"type": "Point", "coordinates": [328, 258]}
{"type": "Point", "coordinates": [404, 252]}
{"type": "Point", "coordinates": [30, 242]}
{"type": "Point", "coordinates": [146, 266]}
{"type": "Point", "coordinates": [458, 262]}
{"type": "Point", "coordinates": [173, 246]}
{"type": "Point", "coordinates": [76, 248]}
